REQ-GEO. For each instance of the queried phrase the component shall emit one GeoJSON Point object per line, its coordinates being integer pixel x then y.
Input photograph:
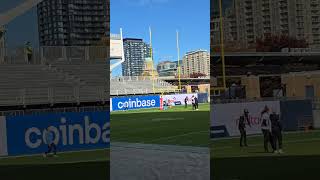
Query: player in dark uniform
{"type": "Point", "coordinates": [196, 103]}
{"type": "Point", "coordinates": [186, 102]}
{"type": "Point", "coordinates": [51, 144]}
{"type": "Point", "coordinates": [276, 129]}
{"type": "Point", "coordinates": [242, 127]}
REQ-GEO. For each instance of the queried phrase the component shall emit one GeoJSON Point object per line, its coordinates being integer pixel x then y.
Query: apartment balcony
{"type": "Point", "coordinates": [250, 31]}
{"type": "Point", "coordinates": [315, 24]}
{"type": "Point", "coordinates": [250, 19]}
{"type": "Point", "coordinates": [284, 17]}
{"type": "Point", "coordinates": [267, 29]}
{"type": "Point", "coordinates": [265, 9]}
{"type": "Point", "coordinates": [315, 9]}
{"type": "Point", "coordinates": [248, 1]}
{"type": "Point", "coordinates": [283, 5]}
{"type": "Point", "coordinates": [248, 7]}
{"type": "Point", "coordinates": [266, 16]}
{"type": "Point", "coordinates": [267, 22]}
{"type": "Point", "coordinates": [314, 3]}
{"type": "Point", "coordinates": [250, 25]}
{"type": "Point", "coordinates": [248, 13]}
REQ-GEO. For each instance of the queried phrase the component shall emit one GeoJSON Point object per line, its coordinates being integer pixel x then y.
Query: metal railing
{"type": "Point", "coordinates": [54, 110]}
{"type": "Point", "coordinates": [53, 54]}
{"type": "Point", "coordinates": [225, 101]}
{"type": "Point", "coordinates": [52, 95]}
{"type": "Point", "coordinates": [142, 91]}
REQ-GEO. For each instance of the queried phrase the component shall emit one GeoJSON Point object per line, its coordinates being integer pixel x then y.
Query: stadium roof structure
{"type": "Point", "coordinates": [267, 58]}
{"type": "Point", "coordinates": [265, 63]}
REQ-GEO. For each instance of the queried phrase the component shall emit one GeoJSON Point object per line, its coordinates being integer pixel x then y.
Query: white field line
{"type": "Point", "coordinates": [166, 119]}
{"type": "Point", "coordinates": [163, 148]}
{"type": "Point", "coordinates": [260, 144]}
{"type": "Point", "coordinates": [64, 162]}
{"type": "Point", "coordinates": [131, 130]}
{"type": "Point", "coordinates": [258, 135]}
{"type": "Point", "coordinates": [180, 135]}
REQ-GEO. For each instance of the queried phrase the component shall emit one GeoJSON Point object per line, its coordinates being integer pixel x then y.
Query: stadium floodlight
{"type": "Point", "coordinates": [179, 67]}
{"type": "Point", "coordinates": [163, 90]}
{"type": "Point", "coordinates": [152, 65]}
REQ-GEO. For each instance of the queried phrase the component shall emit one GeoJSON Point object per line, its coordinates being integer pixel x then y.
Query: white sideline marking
{"type": "Point", "coordinates": [257, 135]}
{"type": "Point", "coordinates": [284, 142]}
{"type": "Point", "coordinates": [166, 119]}
{"type": "Point", "coordinates": [69, 152]}
{"type": "Point", "coordinates": [62, 162]}
{"type": "Point", "coordinates": [180, 135]}
{"type": "Point", "coordinates": [130, 131]}
{"type": "Point", "coordinates": [159, 147]}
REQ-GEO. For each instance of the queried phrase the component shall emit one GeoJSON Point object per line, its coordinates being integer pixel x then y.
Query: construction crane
{"type": "Point", "coordinates": [10, 15]}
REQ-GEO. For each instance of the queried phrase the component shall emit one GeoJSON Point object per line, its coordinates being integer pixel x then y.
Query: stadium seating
{"type": "Point", "coordinates": [52, 82]}
{"type": "Point", "coordinates": [138, 85]}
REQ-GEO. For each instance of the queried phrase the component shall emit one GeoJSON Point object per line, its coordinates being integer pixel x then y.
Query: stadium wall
{"type": "Point", "coordinates": [3, 137]}
{"type": "Point", "coordinates": [73, 131]}
{"type": "Point", "coordinates": [225, 117]}
{"type": "Point", "coordinates": [134, 102]}
{"type": "Point", "coordinates": [295, 83]}
{"type": "Point", "coordinates": [316, 119]}
{"type": "Point", "coordinates": [145, 102]}
{"type": "Point", "coordinates": [294, 115]}
{"type": "Point", "coordinates": [203, 97]}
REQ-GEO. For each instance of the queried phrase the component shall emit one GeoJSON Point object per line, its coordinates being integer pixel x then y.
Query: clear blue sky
{"type": "Point", "coordinates": [190, 17]}
{"type": "Point", "coordinates": [23, 28]}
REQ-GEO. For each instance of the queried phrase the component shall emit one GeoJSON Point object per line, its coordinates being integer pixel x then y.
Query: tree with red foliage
{"type": "Point", "coordinates": [275, 43]}
{"type": "Point", "coordinates": [197, 75]}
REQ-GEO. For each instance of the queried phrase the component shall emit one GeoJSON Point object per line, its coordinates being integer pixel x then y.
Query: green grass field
{"type": "Point", "coordinates": [70, 165]}
{"type": "Point", "coordinates": [175, 126]}
{"type": "Point", "coordinates": [300, 159]}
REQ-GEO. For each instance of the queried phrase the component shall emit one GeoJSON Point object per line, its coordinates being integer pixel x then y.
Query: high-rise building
{"type": "Point", "coordinates": [72, 22]}
{"type": "Point", "coordinates": [148, 69]}
{"type": "Point", "coordinates": [135, 52]}
{"type": "Point", "coordinates": [196, 62]}
{"type": "Point", "coordinates": [167, 68]}
{"type": "Point", "coordinates": [247, 20]}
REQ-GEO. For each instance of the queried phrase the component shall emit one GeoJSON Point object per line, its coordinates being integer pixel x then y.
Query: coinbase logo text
{"type": "Point", "coordinates": [136, 103]}
{"type": "Point", "coordinates": [89, 133]}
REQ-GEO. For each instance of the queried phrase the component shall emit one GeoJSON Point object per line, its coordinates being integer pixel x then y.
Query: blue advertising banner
{"type": "Point", "coordinates": [135, 102]}
{"type": "Point", "coordinates": [71, 131]}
